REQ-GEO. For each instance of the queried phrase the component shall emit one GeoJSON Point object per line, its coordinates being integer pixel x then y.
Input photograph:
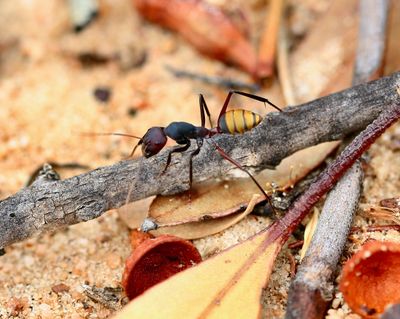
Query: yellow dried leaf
{"type": "Point", "coordinates": [201, 229]}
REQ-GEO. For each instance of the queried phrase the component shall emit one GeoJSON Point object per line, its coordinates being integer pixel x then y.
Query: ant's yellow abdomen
{"type": "Point", "coordinates": [238, 121]}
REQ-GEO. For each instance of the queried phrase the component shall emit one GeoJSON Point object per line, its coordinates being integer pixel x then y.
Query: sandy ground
{"type": "Point", "coordinates": [46, 98]}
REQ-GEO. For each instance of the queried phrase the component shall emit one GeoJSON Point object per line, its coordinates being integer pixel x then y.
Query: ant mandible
{"type": "Point", "coordinates": [230, 122]}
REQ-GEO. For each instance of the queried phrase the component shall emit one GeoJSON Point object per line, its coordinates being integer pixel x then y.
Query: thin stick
{"type": "Point", "coordinates": [284, 72]}
{"type": "Point", "coordinates": [219, 81]}
{"type": "Point", "coordinates": [266, 55]}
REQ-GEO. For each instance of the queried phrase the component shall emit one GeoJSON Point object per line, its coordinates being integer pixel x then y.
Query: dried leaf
{"type": "Point", "coordinates": [208, 227]}
{"type": "Point", "coordinates": [133, 214]}
{"type": "Point", "coordinates": [228, 285]}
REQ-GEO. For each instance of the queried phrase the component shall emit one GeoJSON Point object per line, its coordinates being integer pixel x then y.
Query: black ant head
{"type": "Point", "coordinates": [153, 141]}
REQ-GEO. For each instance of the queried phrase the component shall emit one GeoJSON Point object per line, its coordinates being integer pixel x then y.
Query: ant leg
{"type": "Point", "coordinates": [257, 98]}
{"type": "Point", "coordinates": [175, 150]}
{"type": "Point", "coordinates": [204, 107]}
{"type": "Point", "coordinates": [194, 153]}
{"type": "Point", "coordinates": [223, 109]}
{"type": "Point", "coordinates": [237, 164]}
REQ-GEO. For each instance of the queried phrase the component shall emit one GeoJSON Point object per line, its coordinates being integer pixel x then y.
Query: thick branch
{"type": "Point", "coordinates": [48, 205]}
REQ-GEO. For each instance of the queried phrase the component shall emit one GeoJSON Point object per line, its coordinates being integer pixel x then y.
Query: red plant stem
{"type": "Point", "coordinates": [327, 179]}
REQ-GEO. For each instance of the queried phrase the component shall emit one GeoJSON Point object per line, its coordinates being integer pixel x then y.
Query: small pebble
{"type": "Point", "coordinates": [60, 288]}
{"type": "Point", "coordinates": [132, 111]}
{"type": "Point", "coordinates": [102, 94]}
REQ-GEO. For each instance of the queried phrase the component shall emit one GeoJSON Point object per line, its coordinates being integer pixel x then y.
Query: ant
{"type": "Point", "coordinates": [230, 122]}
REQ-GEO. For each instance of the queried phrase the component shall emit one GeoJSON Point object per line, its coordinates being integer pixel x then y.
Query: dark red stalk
{"type": "Point", "coordinates": [327, 179]}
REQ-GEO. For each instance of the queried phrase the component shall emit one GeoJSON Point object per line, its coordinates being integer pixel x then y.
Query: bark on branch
{"type": "Point", "coordinates": [47, 205]}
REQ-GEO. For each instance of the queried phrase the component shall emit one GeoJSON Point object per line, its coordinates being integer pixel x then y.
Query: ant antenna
{"type": "Point", "coordinates": [116, 134]}
{"type": "Point", "coordinates": [108, 134]}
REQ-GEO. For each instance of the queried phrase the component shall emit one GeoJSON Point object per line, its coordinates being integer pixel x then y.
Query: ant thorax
{"type": "Point", "coordinates": [181, 132]}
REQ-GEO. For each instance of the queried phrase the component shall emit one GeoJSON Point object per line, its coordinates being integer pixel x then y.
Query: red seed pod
{"type": "Point", "coordinates": [155, 260]}
{"type": "Point", "coordinates": [371, 278]}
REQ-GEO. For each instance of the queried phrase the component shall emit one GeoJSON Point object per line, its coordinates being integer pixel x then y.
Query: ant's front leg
{"type": "Point", "coordinates": [194, 153]}
{"type": "Point", "coordinates": [176, 150]}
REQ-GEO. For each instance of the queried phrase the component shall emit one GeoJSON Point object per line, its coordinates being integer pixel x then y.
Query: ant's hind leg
{"type": "Point", "coordinates": [257, 98]}
{"type": "Point", "coordinates": [237, 164]}
{"type": "Point", "coordinates": [175, 150]}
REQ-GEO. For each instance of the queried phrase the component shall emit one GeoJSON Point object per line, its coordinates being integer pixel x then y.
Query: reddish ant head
{"type": "Point", "coordinates": [153, 141]}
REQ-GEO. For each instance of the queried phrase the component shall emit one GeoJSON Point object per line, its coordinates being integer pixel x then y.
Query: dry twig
{"type": "Point", "coordinates": [220, 81]}
{"type": "Point", "coordinates": [266, 55]}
